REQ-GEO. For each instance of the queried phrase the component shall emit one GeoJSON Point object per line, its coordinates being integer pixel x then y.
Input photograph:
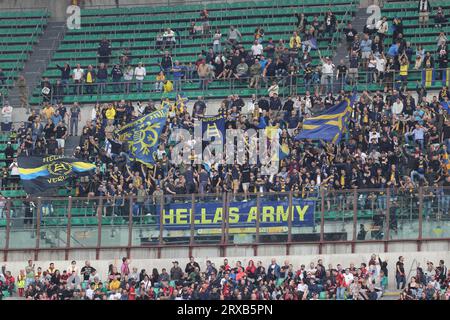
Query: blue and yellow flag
{"type": "Point", "coordinates": [40, 174]}
{"type": "Point", "coordinates": [330, 125]}
{"type": "Point", "coordinates": [142, 135]}
{"type": "Point", "coordinates": [428, 77]}
{"type": "Point", "coordinates": [181, 102]}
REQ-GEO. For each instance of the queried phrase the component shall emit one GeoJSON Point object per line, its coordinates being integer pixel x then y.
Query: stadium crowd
{"type": "Point", "coordinates": [366, 281]}
{"type": "Point", "coordinates": [393, 139]}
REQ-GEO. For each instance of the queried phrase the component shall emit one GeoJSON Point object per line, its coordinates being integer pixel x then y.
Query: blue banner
{"type": "Point", "coordinates": [214, 127]}
{"type": "Point", "coordinates": [143, 135]}
{"type": "Point", "coordinates": [330, 125]}
{"type": "Point", "coordinates": [176, 216]}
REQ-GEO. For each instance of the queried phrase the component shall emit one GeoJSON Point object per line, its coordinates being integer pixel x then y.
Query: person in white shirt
{"type": "Point", "coordinates": [90, 292]}
{"type": "Point", "coordinates": [217, 46]}
{"type": "Point", "coordinates": [139, 73]}
{"type": "Point", "coordinates": [77, 76]}
{"type": "Point", "coordinates": [7, 111]}
{"type": "Point", "coordinates": [382, 28]}
{"type": "Point", "coordinates": [397, 107]}
{"type": "Point", "coordinates": [169, 38]}
{"type": "Point", "coordinates": [128, 77]}
{"type": "Point", "coordinates": [327, 75]}
{"type": "Point", "coordinates": [257, 49]}
{"type": "Point", "coordinates": [381, 66]}
{"type": "Point", "coordinates": [348, 277]}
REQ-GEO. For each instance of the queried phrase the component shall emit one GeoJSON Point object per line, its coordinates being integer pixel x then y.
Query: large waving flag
{"type": "Point", "coordinates": [311, 43]}
{"type": "Point", "coordinates": [330, 125]}
{"type": "Point", "coordinates": [43, 173]}
{"type": "Point", "coordinates": [143, 135]}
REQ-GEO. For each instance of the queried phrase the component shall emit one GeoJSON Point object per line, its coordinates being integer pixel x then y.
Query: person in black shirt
{"type": "Point", "coordinates": [400, 273]}
{"type": "Point", "coordinates": [104, 51]}
{"type": "Point", "coordinates": [61, 134]}
{"type": "Point", "coordinates": [191, 265]}
{"type": "Point", "coordinates": [350, 34]}
{"type": "Point", "coordinates": [52, 146]}
{"type": "Point", "coordinates": [341, 74]}
{"type": "Point", "coordinates": [87, 270]}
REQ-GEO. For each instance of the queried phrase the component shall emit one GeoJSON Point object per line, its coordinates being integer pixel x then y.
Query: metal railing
{"type": "Point", "coordinates": [312, 216]}
{"type": "Point", "coordinates": [289, 84]}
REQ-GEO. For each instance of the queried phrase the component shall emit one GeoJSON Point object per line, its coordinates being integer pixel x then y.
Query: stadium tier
{"type": "Point", "coordinates": [19, 31]}
{"type": "Point", "coordinates": [137, 30]}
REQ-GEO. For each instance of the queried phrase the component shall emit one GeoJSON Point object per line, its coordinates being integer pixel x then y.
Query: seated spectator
{"type": "Point", "coordinates": [439, 18]}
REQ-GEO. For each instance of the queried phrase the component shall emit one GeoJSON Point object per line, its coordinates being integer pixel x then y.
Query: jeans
{"type": "Point", "coordinates": [77, 87]}
{"type": "Point", "coordinates": [341, 82]}
{"type": "Point", "coordinates": [177, 84]}
{"type": "Point", "coordinates": [139, 85]}
{"type": "Point", "coordinates": [327, 81]}
{"type": "Point", "coordinates": [158, 86]}
{"type": "Point", "coordinates": [217, 48]}
{"type": "Point", "coordinates": [101, 86]}
{"type": "Point", "coordinates": [117, 85]}
{"type": "Point", "coordinates": [415, 173]}
{"type": "Point", "coordinates": [307, 84]}
{"type": "Point", "coordinates": [73, 126]}
{"type": "Point", "coordinates": [340, 293]}
{"type": "Point", "coordinates": [400, 279]}
{"type": "Point", "coordinates": [89, 88]}
{"type": "Point", "coordinates": [127, 86]}
{"type": "Point", "coordinates": [65, 83]}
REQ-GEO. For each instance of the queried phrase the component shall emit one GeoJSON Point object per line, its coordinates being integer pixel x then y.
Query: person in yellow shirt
{"type": "Point", "coordinates": [111, 112]}
{"type": "Point", "coordinates": [295, 43]}
{"type": "Point", "coordinates": [160, 81]}
{"type": "Point", "coordinates": [114, 284]}
{"type": "Point", "coordinates": [90, 79]}
{"type": "Point", "coordinates": [48, 111]}
{"type": "Point", "coordinates": [168, 86]}
{"type": "Point", "coordinates": [404, 66]}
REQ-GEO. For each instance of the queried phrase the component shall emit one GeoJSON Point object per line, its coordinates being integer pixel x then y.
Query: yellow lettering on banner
{"type": "Point", "coordinates": [204, 219]}
{"type": "Point", "coordinates": [233, 215]}
{"type": "Point", "coordinates": [302, 212]}
{"type": "Point", "coordinates": [252, 214]}
{"type": "Point", "coordinates": [282, 216]}
{"type": "Point", "coordinates": [268, 212]}
{"type": "Point", "coordinates": [168, 216]}
{"type": "Point", "coordinates": [181, 216]}
{"type": "Point", "coordinates": [218, 216]}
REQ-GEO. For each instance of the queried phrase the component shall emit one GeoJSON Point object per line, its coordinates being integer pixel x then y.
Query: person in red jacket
{"type": "Point", "coordinates": [251, 270]}
{"type": "Point", "coordinates": [340, 285]}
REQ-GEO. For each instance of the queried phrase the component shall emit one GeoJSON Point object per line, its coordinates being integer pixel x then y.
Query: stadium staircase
{"type": "Point", "coordinates": [42, 52]}
{"type": "Point", "coordinates": [19, 32]}
{"type": "Point", "coordinates": [137, 27]}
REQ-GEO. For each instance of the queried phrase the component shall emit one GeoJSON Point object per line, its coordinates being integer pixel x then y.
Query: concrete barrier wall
{"type": "Point", "coordinates": [412, 260]}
